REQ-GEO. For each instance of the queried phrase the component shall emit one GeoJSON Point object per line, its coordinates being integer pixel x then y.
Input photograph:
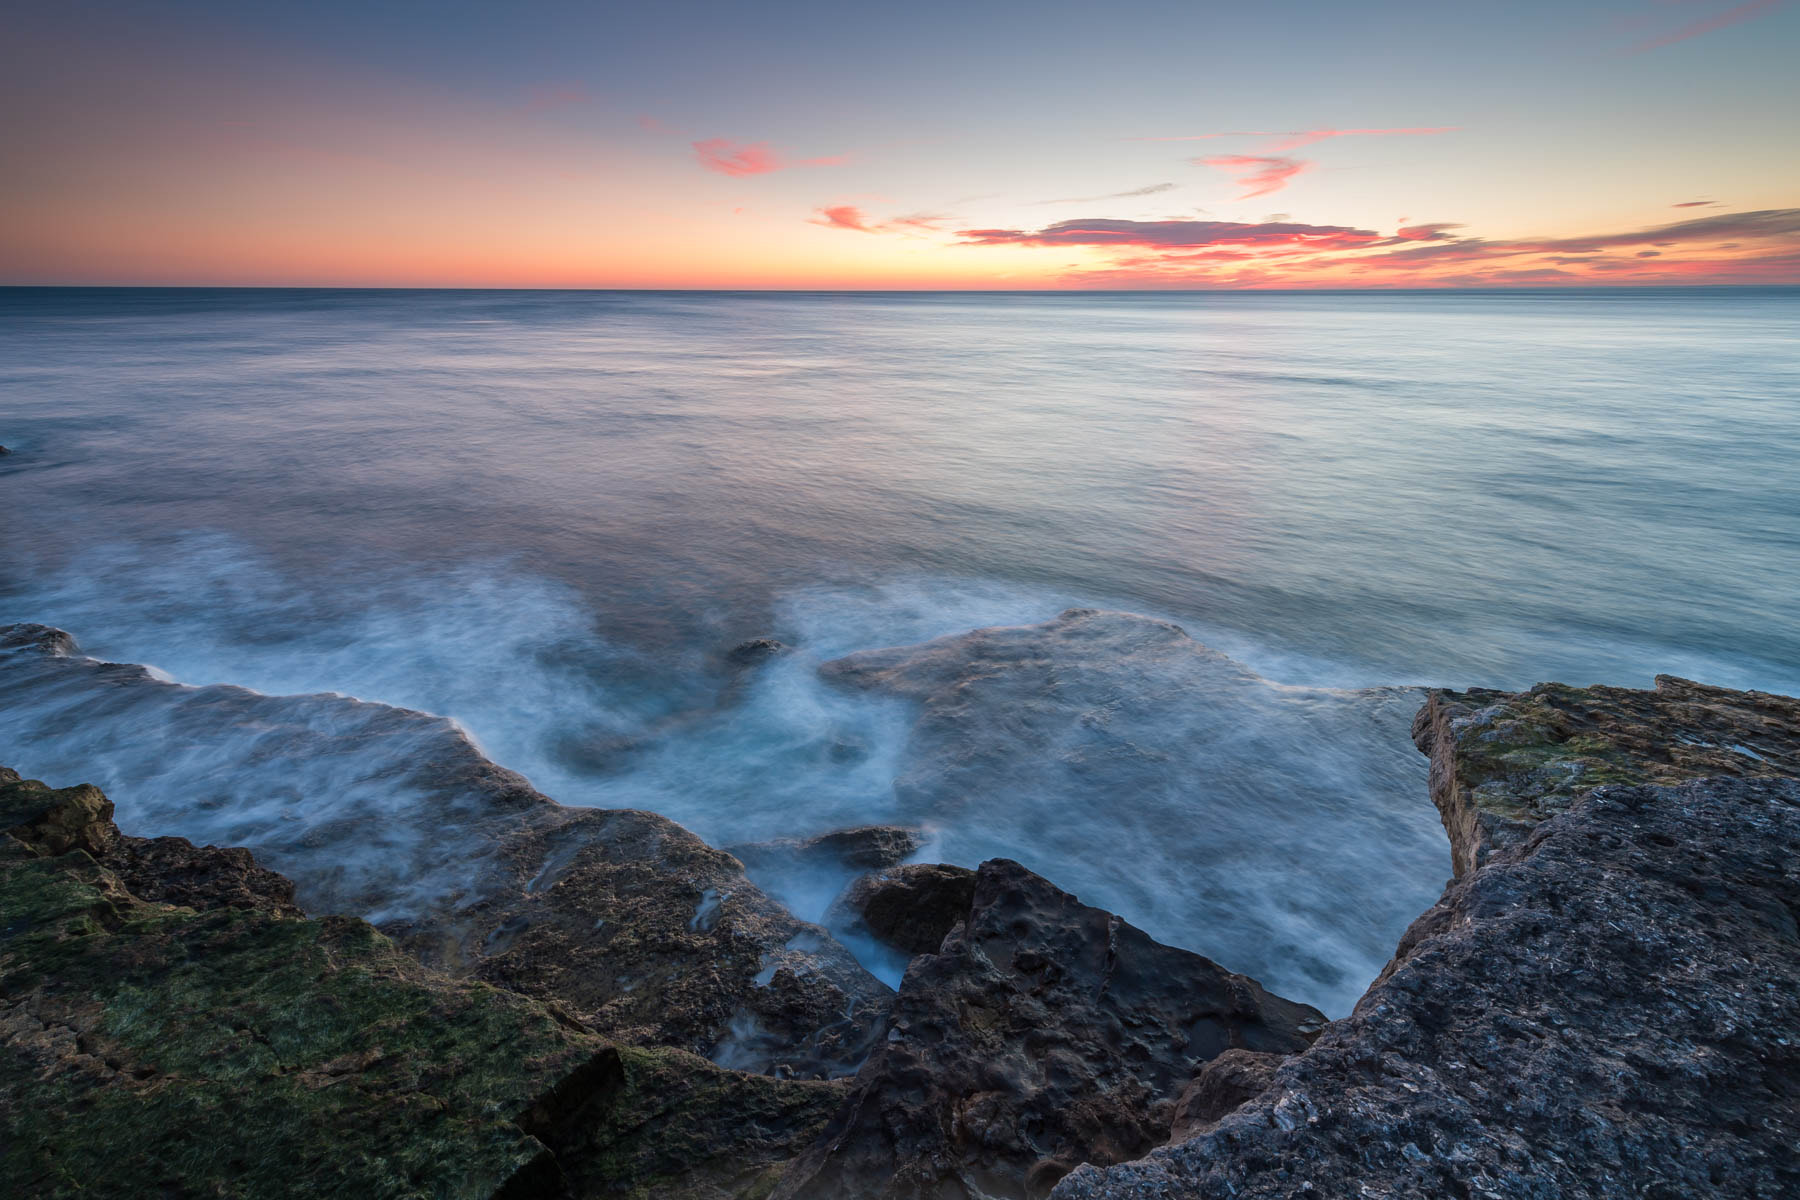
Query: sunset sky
{"type": "Point", "coordinates": [811, 145]}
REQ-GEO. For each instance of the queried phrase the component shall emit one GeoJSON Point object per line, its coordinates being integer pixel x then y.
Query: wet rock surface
{"type": "Point", "coordinates": [1603, 1004]}
{"type": "Point", "coordinates": [863, 847]}
{"type": "Point", "coordinates": [1175, 785]}
{"type": "Point", "coordinates": [171, 870]}
{"type": "Point", "coordinates": [910, 908]}
{"type": "Point", "coordinates": [623, 918]}
{"type": "Point", "coordinates": [1044, 1033]}
{"type": "Point", "coordinates": [651, 936]}
{"type": "Point", "coordinates": [149, 1047]}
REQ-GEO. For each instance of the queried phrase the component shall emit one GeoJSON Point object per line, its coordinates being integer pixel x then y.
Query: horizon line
{"type": "Point", "coordinates": [894, 291]}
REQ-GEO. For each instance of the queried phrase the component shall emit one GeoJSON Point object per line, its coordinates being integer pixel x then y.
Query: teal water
{"type": "Point", "coordinates": [548, 514]}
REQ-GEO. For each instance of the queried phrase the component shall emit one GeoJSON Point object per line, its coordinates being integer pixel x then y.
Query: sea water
{"type": "Point", "coordinates": [550, 515]}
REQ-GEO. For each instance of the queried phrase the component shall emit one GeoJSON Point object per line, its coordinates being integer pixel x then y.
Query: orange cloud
{"type": "Point", "coordinates": [1259, 174]}
{"type": "Point", "coordinates": [753, 158]}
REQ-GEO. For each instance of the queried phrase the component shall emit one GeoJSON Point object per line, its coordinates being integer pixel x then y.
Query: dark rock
{"type": "Point", "coordinates": [1221, 1086]}
{"type": "Point", "coordinates": [863, 848]}
{"type": "Point", "coordinates": [910, 908]}
{"type": "Point", "coordinates": [242, 1052]}
{"type": "Point", "coordinates": [173, 870]}
{"type": "Point", "coordinates": [225, 1048]}
{"type": "Point", "coordinates": [1201, 781]}
{"type": "Point", "coordinates": [1603, 1003]}
{"type": "Point", "coordinates": [756, 650]}
{"type": "Point", "coordinates": [56, 820]}
{"type": "Point", "coordinates": [650, 935]}
{"type": "Point", "coordinates": [1043, 1034]}
{"type": "Point", "coordinates": [1502, 762]}
{"type": "Point", "coordinates": [622, 918]}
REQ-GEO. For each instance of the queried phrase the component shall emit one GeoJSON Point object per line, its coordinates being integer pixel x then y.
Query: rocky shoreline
{"type": "Point", "coordinates": [1605, 1001]}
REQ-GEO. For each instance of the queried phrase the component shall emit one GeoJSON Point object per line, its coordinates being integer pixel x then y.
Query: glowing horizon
{"type": "Point", "coordinates": [705, 147]}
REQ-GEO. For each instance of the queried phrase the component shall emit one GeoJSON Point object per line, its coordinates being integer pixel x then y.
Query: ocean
{"type": "Point", "coordinates": [549, 516]}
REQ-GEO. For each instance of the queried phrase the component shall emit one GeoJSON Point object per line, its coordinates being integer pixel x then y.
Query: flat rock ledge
{"type": "Point", "coordinates": [1604, 1003]}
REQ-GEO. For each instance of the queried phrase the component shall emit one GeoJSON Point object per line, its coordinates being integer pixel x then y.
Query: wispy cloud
{"type": "Point", "coordinates": [1694, 204]}
{"type": "Point", "coordinates": [1293, 139]}
{"type": "Point", "coordinates": [1733, 16]}
{"type": "Point", "coordinates": [754, 158]}
{"type": "Point", "coordinates": [1741, 247]}
{"type": "Point", "coordinates": [849, 216]}
{"type": "Point", "coordinates": [1152, 190]}
{"type": "Point", "coordinates": [1259, 174]}
{"type": "Point", "coordinates": [1171, 234]}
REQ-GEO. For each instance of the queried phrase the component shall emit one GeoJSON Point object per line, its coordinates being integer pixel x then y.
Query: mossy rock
{"type": "Point", "coordinates": [1504, 761]}
{"type": "Point", "coordinates": [148, 1048]}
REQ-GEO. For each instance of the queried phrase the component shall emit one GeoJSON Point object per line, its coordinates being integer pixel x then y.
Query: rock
{"type": "Point", "coordinates": [1502, 762]}
{"type": "Point", "coordinates": [622, 918]}
{"type": "Point", "coordinates": [1221, 1086]}
{"type": "Point", "coordinates": [172, 870]}
{"type": "Point", "coordinates": [1602, 1004]}
{"type": "Point", "coordinates": [4, 451]}
{"type": "Point", "coordinates": [756, 650]}
{"type": "Point", "coordinates": [240, 1049]}
{"type": "Point", "coordinates": [1044, 1033]}
{"type": "Point", "coordinates": [233, 1052]}
{"type": "Point", "coordinates": [1203, 783]}
{"type": "Point", "coordinates": [863, 848]}
{"type": "Point", "coordinates": [55, 820]}
{"type": "Point", "coordinates": [910, 908]}
{"type": "Point", "coordinates": [650, 935]}
{"type": "Point", "coordinates": [668, 1125]}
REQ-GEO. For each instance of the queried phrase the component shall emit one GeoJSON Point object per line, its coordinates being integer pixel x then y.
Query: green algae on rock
{"type": "Point", "coordinates": [215, 1048]}
{"type": "Point", "coordinates": [1503, 761]}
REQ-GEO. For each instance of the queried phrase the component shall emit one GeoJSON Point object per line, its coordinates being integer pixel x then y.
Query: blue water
{"type": "Point", "coordinates": [547, 515]}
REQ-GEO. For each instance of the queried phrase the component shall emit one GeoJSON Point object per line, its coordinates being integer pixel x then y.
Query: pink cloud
{"type": "Point", "coordinates": [1175, 234]}
{"type": "Point", "coordinates": [849, 216]}
{"type": "Point", "coordinates": [1259, 174]}
{"type": "Point", "coordinates": [753, 158]}
{"type": "Point", "coordinates": [1742, 12]}
{"type": "Point", "coordinates": [1281, 253]}
{"type": "Point", "coordinates": [843, 216]}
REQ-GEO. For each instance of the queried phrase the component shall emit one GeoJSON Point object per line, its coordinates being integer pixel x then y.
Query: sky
{"type": "Point", "coordinates": [969, 145]}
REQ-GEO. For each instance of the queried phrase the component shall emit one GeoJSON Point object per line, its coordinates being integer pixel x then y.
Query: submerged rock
{"type": "Point", "coordinates": [910, 908]}
{"type": "Point", "coordinates": [623, 918]}
{"type": "Point", "coordinates": [1042, 1034]}
{"type": "Point", "coordinates": [1170, 783]}
{"type": "Point", "coordinates": [863, 848]}
{"type": "Point", "coordinates": [1604, 1002]}
{"type": "Point", "coordinates": [749, 653]}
